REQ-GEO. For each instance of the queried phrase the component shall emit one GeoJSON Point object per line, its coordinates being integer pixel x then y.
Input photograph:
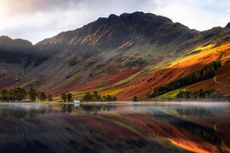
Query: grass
{"type": "Point", "coordinates": [171, 94]}
{"type": "Point", "coordinates": [207, 54]}
{"type": "Point", "coordinates": [184, 57]}
{"type": "Point", "coordinates": [113, 92]}
{"type": "Point", "coordinates": [128, 79]}
{"type": "Point", "coordinates": [210, 46]}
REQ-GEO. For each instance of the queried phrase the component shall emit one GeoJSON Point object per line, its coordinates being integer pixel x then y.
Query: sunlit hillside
{"type": "Point", "coordinates": [139, 55]}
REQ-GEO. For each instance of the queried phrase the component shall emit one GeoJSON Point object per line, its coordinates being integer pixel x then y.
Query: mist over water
{"type": "Point", "coordinates": [133, 127]}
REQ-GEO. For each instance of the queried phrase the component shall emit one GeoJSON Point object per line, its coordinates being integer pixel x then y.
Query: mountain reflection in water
{"type": "Point", "coordinates": [169, 127]}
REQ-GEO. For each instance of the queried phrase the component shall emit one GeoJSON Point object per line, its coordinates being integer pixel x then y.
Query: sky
{"type": "Point", "coordinates": [36, 20]}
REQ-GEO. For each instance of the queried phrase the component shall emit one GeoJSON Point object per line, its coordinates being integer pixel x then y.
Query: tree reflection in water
{"type": "Point", "coordinates": [57, 128]}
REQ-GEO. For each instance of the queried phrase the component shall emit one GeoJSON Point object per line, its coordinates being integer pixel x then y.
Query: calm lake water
{"type": "Point", "coordinates": [115, 128]}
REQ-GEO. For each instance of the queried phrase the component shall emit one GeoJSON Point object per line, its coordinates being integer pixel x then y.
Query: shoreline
{"type": "Point", "coordinates": [123, 102]}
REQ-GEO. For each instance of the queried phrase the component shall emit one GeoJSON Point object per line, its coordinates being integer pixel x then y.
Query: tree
{"type": "Point", "coordinates": [201, 94]}
{"type": "Point", "coordinates": [63, 97]}
{"type": "Point", "coordinates": [96, 96]}
{"type": "Point", "coordinates": [135, 98]}
{"type": "Point", "coordinates": [110, 98]}
{"type": "Point", "coordinates": [43, 96]}
{"type": "Point", "coordinates": [5, 95]}
{"type": "Point", "coordinates": [18, 94]}
{"type": "Point", "coordinates": [32, 94]}
{"type": "Point", "coordinates": [50, 97]}
{"type": "Point", "coordinates": [69, 97]}
{"type": "Point", "coordinates": [87, 97]}
{"type": "Point", "coordinates": [38, 95]}
{"type": "Point", "coordinates": [206, 72]}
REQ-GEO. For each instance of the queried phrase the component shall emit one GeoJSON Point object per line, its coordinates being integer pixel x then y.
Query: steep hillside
{"type": "Point", "coordinates": [117, 47]}
{"type": "Point", "coordinates": [17, 57]}
{"type": "Point", "coordinates": [125, 56]}
{"type": "Point", "coordinates": [180, 68]}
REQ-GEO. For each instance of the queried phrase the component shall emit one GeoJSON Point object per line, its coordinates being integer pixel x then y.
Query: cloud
{"type": "Point", "coordinates": [15, 7]}
{"type": "Point", "coordinates": [33, 6]}
{"type": "Point", "coordinates": [39, 19]}
{"type": "Point", "coordinates": [196, 14]}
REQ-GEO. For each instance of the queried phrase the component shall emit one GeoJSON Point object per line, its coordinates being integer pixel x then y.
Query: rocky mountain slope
{"type": "Point", "coordinates": [115, 55]}
{"type": "Point", "coordinates": [111, 45]}
{"type": "Point", "coordinates": [17, 57]}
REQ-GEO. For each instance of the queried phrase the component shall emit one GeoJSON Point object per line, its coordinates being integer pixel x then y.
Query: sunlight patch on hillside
{"type": "Point", "coordinates": [210, 46]}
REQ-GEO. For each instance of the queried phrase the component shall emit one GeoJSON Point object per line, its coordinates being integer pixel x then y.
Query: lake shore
{"type": "Point", "coordinates": [124, 102]}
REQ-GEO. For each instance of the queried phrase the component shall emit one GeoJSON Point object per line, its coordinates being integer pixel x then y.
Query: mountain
{"type": "Point", "coordinates": [6, 42]}
{"type": "Point", "coordinates": [16, 57]}
{"type": "Point", "coordinates": [125, 56]}
{"type": "Point", "coordinates": [129, 41]}
{"type": "Point", "coordinates": [228, 25]}
{"type": "Point", "coordinates": [114, 31]}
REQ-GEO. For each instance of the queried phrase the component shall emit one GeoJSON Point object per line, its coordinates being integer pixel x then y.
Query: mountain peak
{"type": "Point", "coordinates": [113, 16]}
{"type": "Point", "coordinates": [133, 18]}
{"type": "Point", "coordinates": [7, 41]}
{"type": "Point", "coordinates": [113, 31]}
{"type": "Point", "coordinates": [228, 25]}
{"type": "Point", "coordinates": [5, 38]}
{"type": "Point", "coordinates": [133, 14]}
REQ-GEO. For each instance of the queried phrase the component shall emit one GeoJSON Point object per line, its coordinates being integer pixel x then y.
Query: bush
{"type": "Point", "coordinates": [135, 98]}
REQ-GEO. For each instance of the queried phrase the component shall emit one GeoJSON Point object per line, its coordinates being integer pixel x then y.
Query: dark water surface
{"type": "Point", "coordinates": [115, 128]}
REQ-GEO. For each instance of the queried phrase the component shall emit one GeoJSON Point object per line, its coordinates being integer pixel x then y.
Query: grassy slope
{"type": "Point", "coordinates": [221, 82]}
{"type": "Point", "coordinates": [179, 68]}
{"type": "Point", "coordinates": [127, 83]}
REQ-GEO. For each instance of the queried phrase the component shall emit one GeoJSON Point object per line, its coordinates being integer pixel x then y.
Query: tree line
{"type": "Point", "coordinates": [67, 97]}
{"type": "Point", "coordinates": [206, 72]}
{"type": "Point", "coordinates": [18, 94]}
{"type": "Point", "coordinates": [95, 96]}
{"type": "Point", "coordinates": [200, 94]}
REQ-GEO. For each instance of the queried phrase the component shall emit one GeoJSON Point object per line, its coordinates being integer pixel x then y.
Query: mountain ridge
{"type": "Point", "coordinates": [112, 54]}
{"type": "Point", "coordinates": [120, 22]}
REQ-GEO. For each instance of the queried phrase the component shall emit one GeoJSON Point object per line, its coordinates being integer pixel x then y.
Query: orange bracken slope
{"type": "Point", "coordinates": [186, 65]}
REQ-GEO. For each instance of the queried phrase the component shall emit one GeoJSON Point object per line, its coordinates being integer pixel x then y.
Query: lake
{"type": "Point", "coordinates": [115, 128]}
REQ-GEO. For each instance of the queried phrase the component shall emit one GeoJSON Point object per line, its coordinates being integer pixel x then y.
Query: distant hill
{"type": "Point", "coordinates": [17, 57]}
